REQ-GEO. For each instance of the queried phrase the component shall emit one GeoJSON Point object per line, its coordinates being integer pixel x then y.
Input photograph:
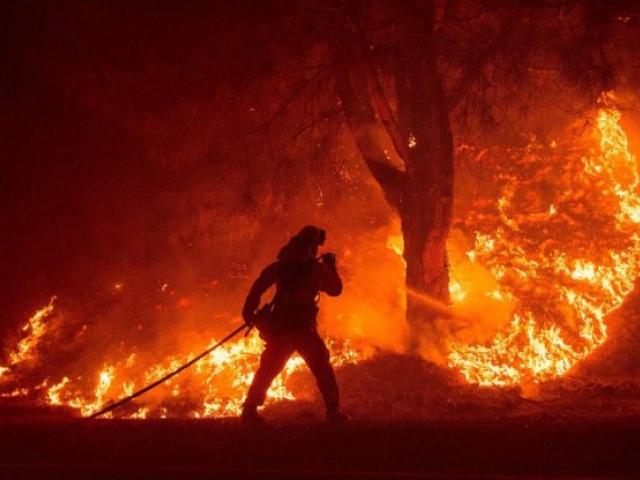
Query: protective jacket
{"type": "Point", "coordinates": [297, 287]}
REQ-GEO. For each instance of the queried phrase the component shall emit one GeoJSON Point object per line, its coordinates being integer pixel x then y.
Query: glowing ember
{"type": "Point", "coordinates": [569, 255]}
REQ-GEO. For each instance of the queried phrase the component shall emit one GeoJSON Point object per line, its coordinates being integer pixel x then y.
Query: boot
{"type": "Point", "coordinates": [335, 415]}
{"type": "Point", "coordinates": [250, 416]}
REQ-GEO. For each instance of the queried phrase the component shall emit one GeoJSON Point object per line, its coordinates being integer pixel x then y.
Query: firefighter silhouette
{"type": "Point", "coordinates": [288, 323]}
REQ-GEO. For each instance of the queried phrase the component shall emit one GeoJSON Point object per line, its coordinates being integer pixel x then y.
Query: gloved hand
{"type": "Point", "coordinates": [249, 317]}
{"type": "Point", "coordinates": [329, 259]}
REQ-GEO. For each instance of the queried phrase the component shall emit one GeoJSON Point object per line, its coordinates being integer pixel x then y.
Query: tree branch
{"type": "Point", "coordinates": [352, 88]}
{"type": "Point", "coordinates": [475, 69]}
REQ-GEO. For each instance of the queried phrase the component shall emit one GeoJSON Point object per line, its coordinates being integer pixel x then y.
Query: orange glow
{"type": "Point", "coordinates": [34, 329]}
{"type": "Point", "coordinates": [215, 387]}
{"type": "Point", "coordinates": [568, 282]}
{"type": "Point", "coordinates": [396, 244]}
{"type": "Point", "coordinates": [551, 263]}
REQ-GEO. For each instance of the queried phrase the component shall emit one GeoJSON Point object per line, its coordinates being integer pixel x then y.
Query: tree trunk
{"type": "Point", "coordinates": [418, 180]}
{"type": "Point", "coordinates": [427, 209]}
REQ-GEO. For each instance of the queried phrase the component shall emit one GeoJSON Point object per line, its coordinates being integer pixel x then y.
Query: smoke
{"type": "Point", "coordinates": [477, 304]}
{"type": "Point", "coordinates": [477, 310]}
{"type": "Point", "coordinates": [372, 306]}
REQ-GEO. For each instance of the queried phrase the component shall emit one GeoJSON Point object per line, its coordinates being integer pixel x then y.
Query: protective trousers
{"type": "Point", "coordinates": [275, 355]}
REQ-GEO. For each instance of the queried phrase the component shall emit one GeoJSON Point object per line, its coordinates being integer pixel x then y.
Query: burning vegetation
{"type": "Point", "coordinates": [563, 243]}
{"type": "Point", "coordinates": [559, 248]}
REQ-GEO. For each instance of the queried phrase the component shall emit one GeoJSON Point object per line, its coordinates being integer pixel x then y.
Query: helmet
{"type": "Point", "coordinates": [303, 245]}
{"type": "Point", "coordinates": [313, 234]}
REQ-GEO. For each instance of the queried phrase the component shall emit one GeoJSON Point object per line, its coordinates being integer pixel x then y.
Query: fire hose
{"type": "Point", "coordinates": [151, 386]}
{"type": "Point", "coordinates": [136, 394]}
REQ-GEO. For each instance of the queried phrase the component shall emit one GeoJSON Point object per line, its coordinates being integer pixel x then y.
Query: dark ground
{"type": "Point", "coordinates": [481, 446]}
{"type": "Point", "coordinates": [420, 424]}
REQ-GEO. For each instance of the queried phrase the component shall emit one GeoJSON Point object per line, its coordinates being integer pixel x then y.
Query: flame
{"type": "Point", "coordinates": [590, 275]}
{"type": "Point", "coordinates": [35, 329]}
{"type": "Point", "coordinates": [214, 387]}
{"type": "Point", "coordinates": [53, 393]}
{"type": "Point", "coordinates": [564, 286]}
{"type": "Point", "coordinates": [395, 243]}
{"type": "Point", "coordinates": [222, 379]}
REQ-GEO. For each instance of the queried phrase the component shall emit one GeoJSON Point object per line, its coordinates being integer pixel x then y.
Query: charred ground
{"type": "Point", "coordinates": [411, 419]}
{"type": "Point", "coordinates": [471, 446]}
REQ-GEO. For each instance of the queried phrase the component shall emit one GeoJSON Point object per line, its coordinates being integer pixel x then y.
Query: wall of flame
{"type": "Point", "coordinates": [563, 245]}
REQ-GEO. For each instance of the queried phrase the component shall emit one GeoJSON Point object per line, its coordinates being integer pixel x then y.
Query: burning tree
{"type": "Point", "coordinates": [274, 118]}
{"type": "Point", "coordinates": [412, 75]}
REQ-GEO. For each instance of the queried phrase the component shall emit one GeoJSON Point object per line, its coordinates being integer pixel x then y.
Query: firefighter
{"type": "Point", "coordinates": [291, 325]}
